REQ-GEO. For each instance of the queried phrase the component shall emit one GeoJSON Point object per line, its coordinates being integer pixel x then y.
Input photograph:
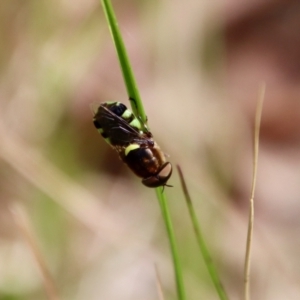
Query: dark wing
{"type": "Point", "coordinates": [116, 128]}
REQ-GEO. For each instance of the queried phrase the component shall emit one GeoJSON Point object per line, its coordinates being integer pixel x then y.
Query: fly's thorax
{"type": "Point", "coordinates": [144, 161]}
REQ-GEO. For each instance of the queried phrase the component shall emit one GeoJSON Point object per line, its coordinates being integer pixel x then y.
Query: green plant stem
{"type": "Point", "coordinates": [201, 242]}
{"type": "Point", "coordinates": [138, 110]}
{"type": "Point", "coordinates": [131, 86]}
{"type": "Point", "coordinates": [168, 223]}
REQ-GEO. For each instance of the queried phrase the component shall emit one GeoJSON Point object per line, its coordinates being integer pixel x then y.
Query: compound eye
{"type": "Point", "coordinates": [151, 182]}
{"type": "Point", "coordinates": [161, 178]}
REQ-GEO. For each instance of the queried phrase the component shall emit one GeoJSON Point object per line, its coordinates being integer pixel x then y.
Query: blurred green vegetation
{"type": "Point", "coordinates": [97, 228]}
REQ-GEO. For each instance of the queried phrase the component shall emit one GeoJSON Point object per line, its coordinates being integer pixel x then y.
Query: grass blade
{"type": "Point", "coordinates": [168, 222]}
{"type": "Point", "coordinates": [131, 86]}
{"type": "Point", "coordinates": [138, 110]}
{"type": "Point", "coordinates": [201, 242]}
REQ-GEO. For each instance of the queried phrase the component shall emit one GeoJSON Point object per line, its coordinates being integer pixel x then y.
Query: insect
{"type": "Point", "coordinates": [129, 136]}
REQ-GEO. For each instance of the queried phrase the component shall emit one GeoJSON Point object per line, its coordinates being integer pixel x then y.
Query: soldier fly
{"type": "Point", "coordinates": [130, 137]}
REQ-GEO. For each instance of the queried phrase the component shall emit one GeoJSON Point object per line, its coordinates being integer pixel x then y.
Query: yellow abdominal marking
{"type": "Point", "coordinates": [130, 148]}
{"type": "Point", "coordinates": [126, 114]}
{"type": "Point", "coordinates": [135, 123]}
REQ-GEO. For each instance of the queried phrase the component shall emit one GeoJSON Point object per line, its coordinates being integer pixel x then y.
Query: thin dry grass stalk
{"type": "Point", "coordinates": [251, 202]}
{"type": "Point", "coordinates": [23, 223]}
{"type": "Point", "coordinates": [159, 285]}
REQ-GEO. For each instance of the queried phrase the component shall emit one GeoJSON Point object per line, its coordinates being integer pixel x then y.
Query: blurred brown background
{"type": "Point", "coordinates": [199, 66]}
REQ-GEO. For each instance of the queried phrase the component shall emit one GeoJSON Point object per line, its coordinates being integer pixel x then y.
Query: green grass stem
{"type": "Point", "coordinates": [138, 110]}
{"type": "Point", "coordinates": [131, 86]}
{"type": "Point", "coordinates": [168, 222]}
{"type": "Point", "coordinates": [201, 242]}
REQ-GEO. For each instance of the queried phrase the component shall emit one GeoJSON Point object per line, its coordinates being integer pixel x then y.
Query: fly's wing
{"type": "Point", "coordinates": [115, 128]}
